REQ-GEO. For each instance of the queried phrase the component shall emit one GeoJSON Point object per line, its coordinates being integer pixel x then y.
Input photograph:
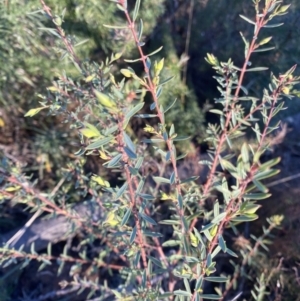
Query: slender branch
{"type": "Point", "coordinates": [225, 133]}
{"type": "Point", "coordinates": [60, 31]}
{"type": "Point", "coordinates": [246, 260]}
{"type": "Point", "coordinates": [152, 89]}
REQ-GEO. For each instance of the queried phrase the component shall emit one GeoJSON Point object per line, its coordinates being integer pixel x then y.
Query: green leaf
{"type": "Point", "coordinates": [199, 283]}
{"type": "Point", "coordinates": [151, 234]}
{"type": "Point", "coordinates": [218, 218]}
{"type": "Point", "coordinates": [114, 161]}
{"type": "Point", "coordinates": [134, 110]}
{"type": "Point", "coordinates": [98, 143]}
{"type": "Point", "coordinates": [182, 138]}
{"type": "Point", "coordinates": [132, 235]}
{"type": "Point", "coordinates": [126, 217]}
{"type": "Point", "coordinates": [216, 279]}
{"type": "Point", "coordinates": [210, 296]}
{"type": "Point", "coordinates": [100, 181]}
{"type": "Point", "coordinates": [165, 295]}
{"type": "Point", "coordinates": [148, 63]}
{"type": "Point", "coordinates": [187, 285]}
{"type": "Point", "coordinates": [172, 178]}
{"type": "Point", "coordinates": [250, 208]}
{"type": "Point", "coordinates": [266, 174]}
{"type": "Point", "coordinates": [222, 243]}
{"type": "Point", "coordinates": [155, 261]}
{"type": "Point", "coordinates": [147, 197]}
{"type": "Point", "coordinates": [128, 142]}
{"type": "Point", "coordinates": [260, 186]}
{"type": "Point", "coordinates": [165, 81]}
{"type": "Point", "coordinates": [270, 163]}
{"type": "Point", "coordinates": [161, 180]}
{"type": "Point", "coordinates": [207, 227]}
{"type": "Point", "coordinates": [50, 30]}
{"type": "Point", "coordinates": [247, 20]}
{"type": "Point", "coordinates": [146, 115]}
{"type": "Point", "coordinates": [111, 130]}
{"type": "Point", "coordinates": [169, 222]}
{"type": "Point", "coordinates": [155, 51]}
{"type": "Point", "coordinates": [115, 26]}
{"type": "Point", "coordinates": [147, 218]}
{"type": "Point", "coordinates": [264, 49]}
{"type": "Point", "coordinates": [104, 100]}
{"type": "Point", "coordinates": [126, 72]}
{"type": "Point", "coordinates": [245, 218]}
{"type": "Point", "coordinates": [227, 165]}
{"type": "Point", "coordinates": [171, 243]}
{"type": "Point", "coordinates": [136, 9]}
{"type": "Point", "coordinates": [256, 196]}
{"type": "Point", "coordinates": [132, 61]}
{"type": "Point", "coordinates": [245, 153]}
{"type": "Point", "coordinates": [182, 293]}
{"type": "Point", "coordinates": [273, 25]}
{"type": "Point", "coordinates": [140, 30]}
{"type": "Point", "coordinates": [215, 111]}
{"type": "Point", "coordinates": [90, 131]}
{"type": "Point", "coordinates": [216, 251]}
{"type": "Point", "coordinates": [158, 140]}
{"type": "Point", "coordinates": [265, 41]}
{"type": "Point", "coordinates": [130, 153]}
{"type": "Point", "coordinates": [257, 69]}
{"type": "Point", "coordinates": [230, 252]}
{"type": "Point", "coordinates": [191, 179]}
{"type": "Point", "coordinates": [170, 106]}
{"type": "Point", "coordinates": [121, 191]}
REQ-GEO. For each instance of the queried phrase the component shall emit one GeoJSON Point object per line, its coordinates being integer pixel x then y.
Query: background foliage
{"type": "Point", "coordinates": [29, 65]}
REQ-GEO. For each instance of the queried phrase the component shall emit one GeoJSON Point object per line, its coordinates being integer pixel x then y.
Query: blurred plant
{"type": "Point", "coordinates": [130, 222]}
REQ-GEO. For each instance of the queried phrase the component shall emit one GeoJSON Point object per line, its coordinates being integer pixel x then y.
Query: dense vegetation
{"type": "Point", "coordinates": [74, 78]}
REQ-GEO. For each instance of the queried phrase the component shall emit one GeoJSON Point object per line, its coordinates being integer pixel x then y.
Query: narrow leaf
{"type": "Point", "coordinates": [126, 217]}
{"type": "Point", "coordinates": [115, 26]}
{"type": "Point", "coordinates": [155, 51]}
{"type": "Point", "coordinates": [182, 293]}
{"type": "Point", "coordinates": [134, 110]}
{"type": "Point", "coordinates": [132, 235]}
{"type": "Point", "coordinates": [161, 180]}
{"type": "Point", "coordinates": [121, 190]}
{"type": "Point", "coordinates": [136, 9]}
{"type": "Point", "coordinates": [216, 279]}
{"type": "Point", "coordinates": [247, 20]}
{"type": "Point", "coordinates": [98, 143]}
{"type": "Point", "coordinates": [147, 218]}
{"type": "Point", "coordinates": [257, 69]}
{"type": "Point", "coordinates": [210, 296]}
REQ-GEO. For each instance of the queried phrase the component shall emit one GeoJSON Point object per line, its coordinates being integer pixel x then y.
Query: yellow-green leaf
{"type": "Point", "coordinates": [33, 112]}
{"type": "Point", "coordinates": [126, 72]}
{"type": "Point", "coordinates": [90, 131]}
{"type": "Point", "coordinates": [100, 181]}
{"type": "Point", "coordinates": [112, 219]}
{"type": "Point", "coordinates": [194, 240]}
{"type": "Point", "coordinates": [53, 89]}
{"type": "Point", "coordinates": [213, 230]}
{"type": "Point", "coordinates": [90, 78]}
{"type": "Point", "coordinates": [12, 188]}
{"type": "Point", "coordinates": [103, 155]}
{"type": "Point", "coordinates": [265, 41]}
{"type": "Point", "coordinates": [104, 100]}
{"type": "Point", "coordinates": [118, 55]}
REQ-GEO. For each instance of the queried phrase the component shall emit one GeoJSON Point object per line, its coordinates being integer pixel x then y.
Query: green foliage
{"type": "Point", "coordinates": [126, 220]}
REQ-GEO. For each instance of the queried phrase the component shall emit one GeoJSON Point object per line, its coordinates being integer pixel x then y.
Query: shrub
{"type": "Point", "coordinates": [167, 239]}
